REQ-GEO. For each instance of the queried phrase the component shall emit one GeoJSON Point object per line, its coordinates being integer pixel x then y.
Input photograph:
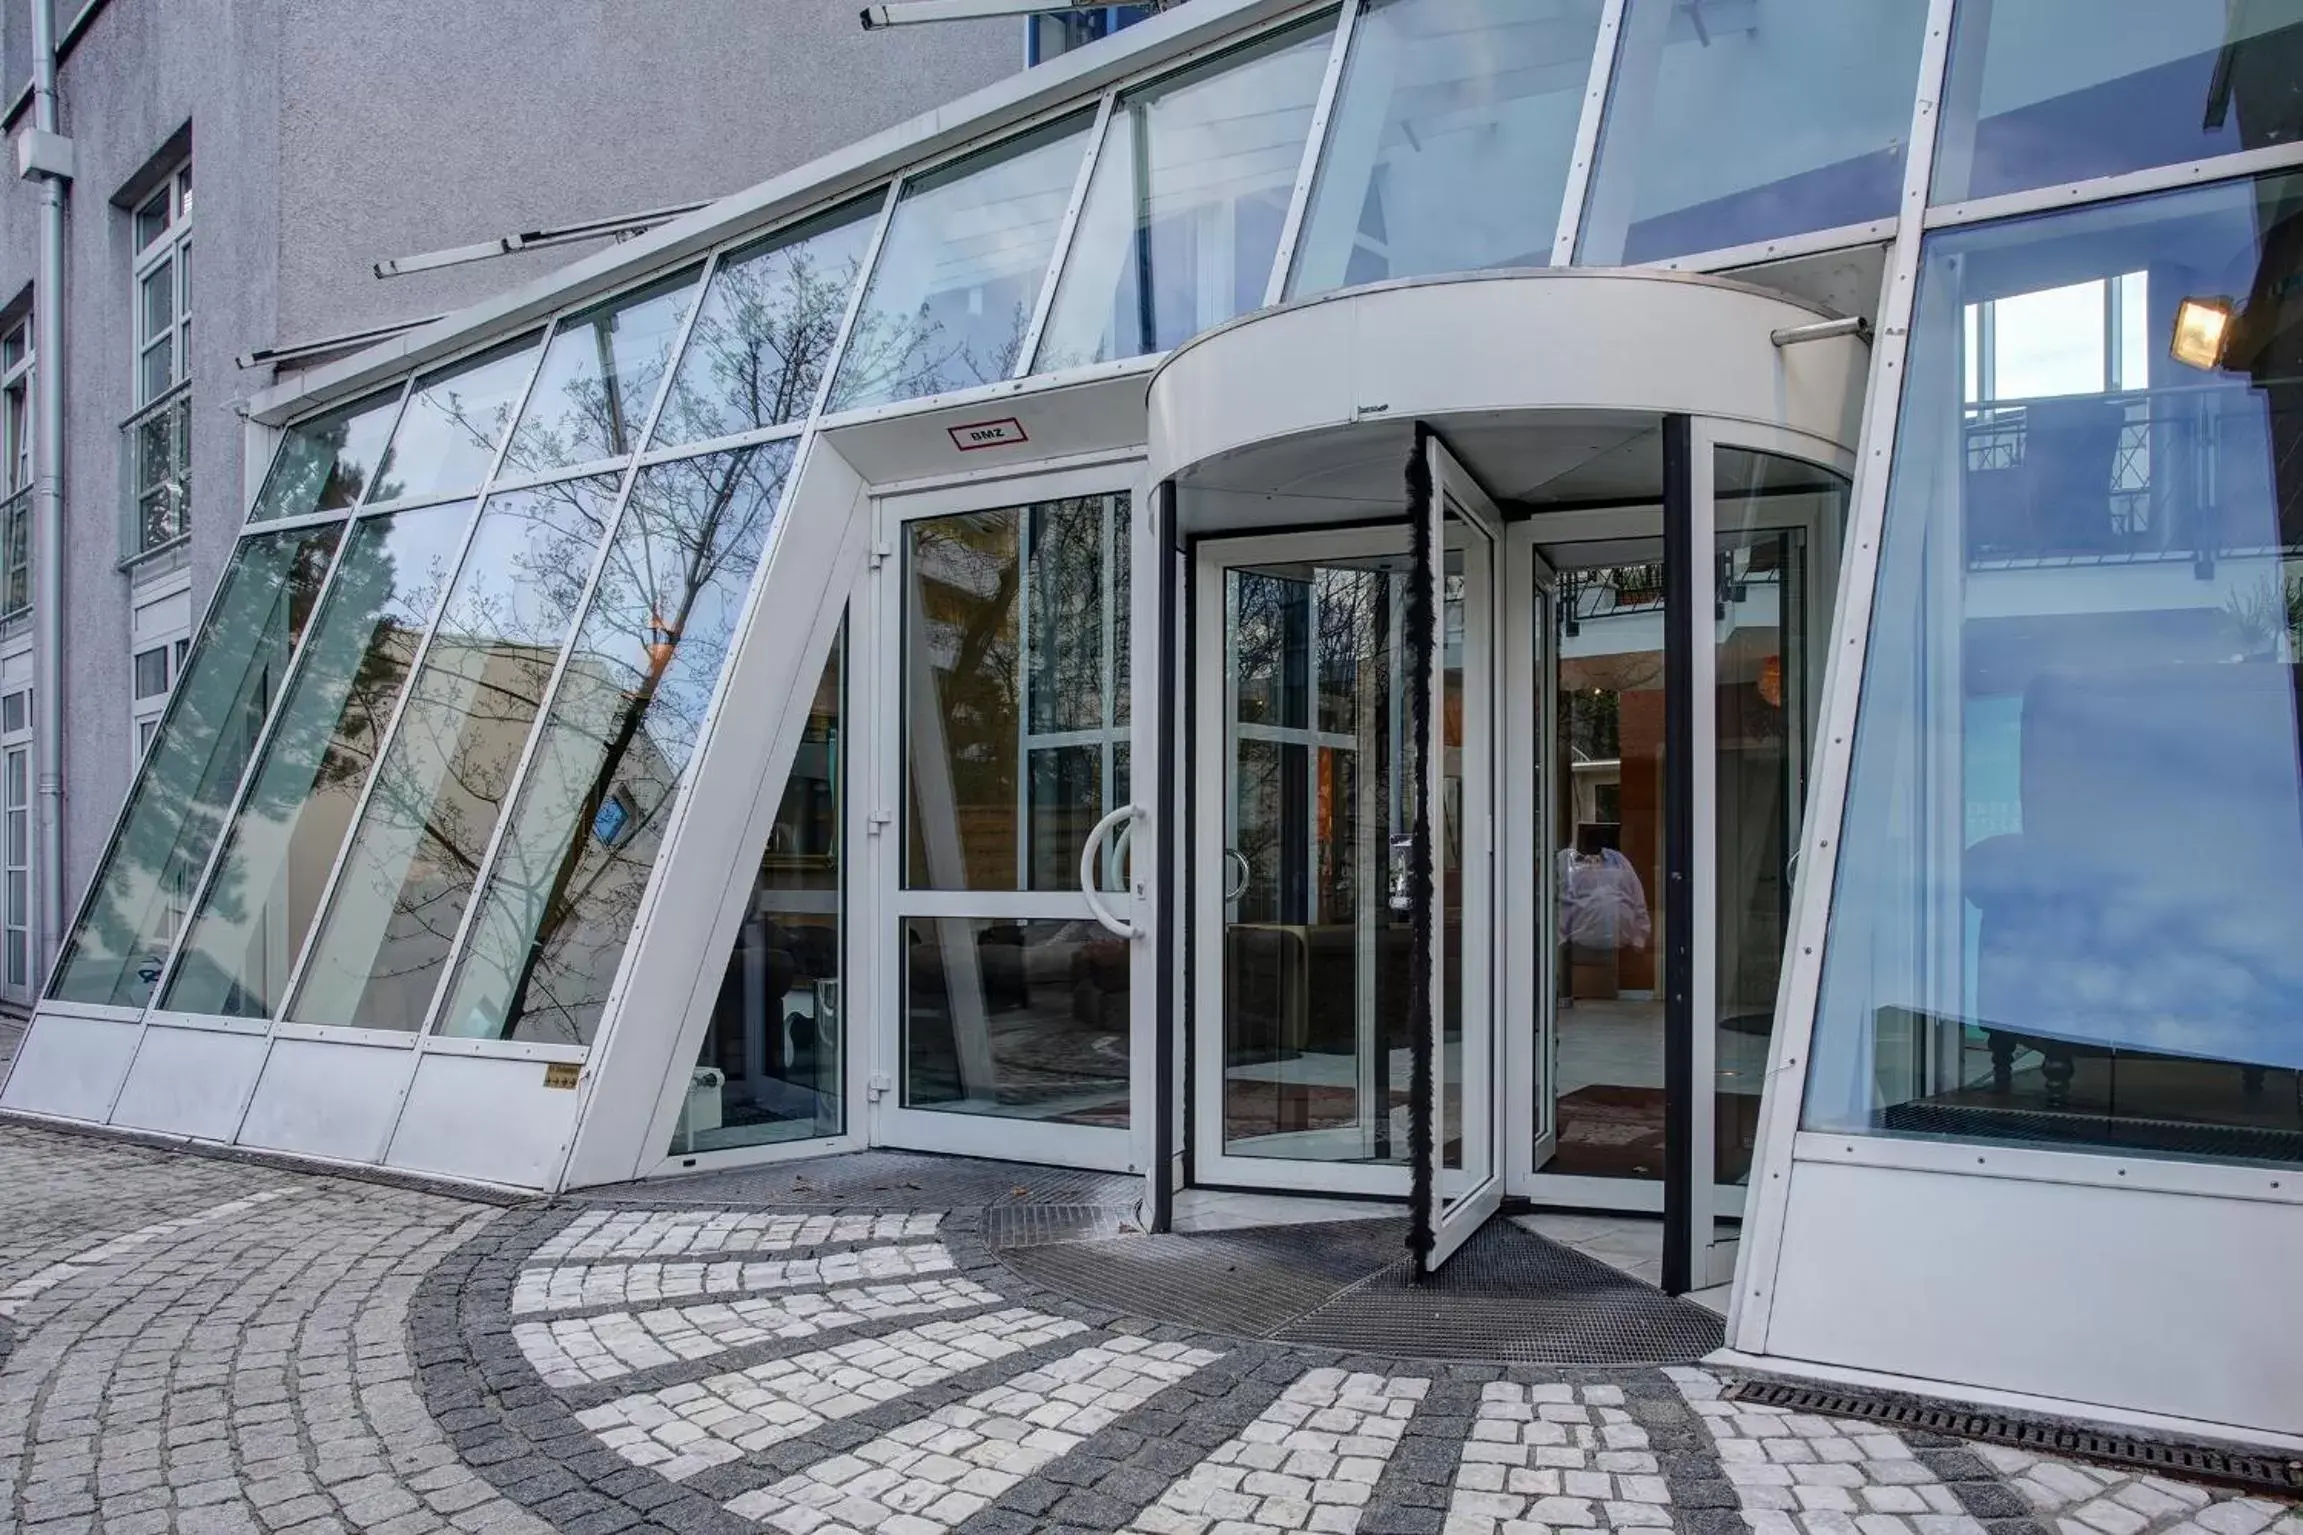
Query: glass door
{"type": "Point", "coordinates": [1459, 1175]}
{"type": "Point", "coordinates": [1301, 789]}
{"type": "Point", "coordinates": [1009, 1019]}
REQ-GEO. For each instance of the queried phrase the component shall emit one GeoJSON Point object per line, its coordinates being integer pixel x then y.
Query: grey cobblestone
{"type": "Point", "coordinates": [195, 1345]}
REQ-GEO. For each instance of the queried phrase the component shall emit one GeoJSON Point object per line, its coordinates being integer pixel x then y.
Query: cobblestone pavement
{"type": "Point", "coordinates": [214, 1346]}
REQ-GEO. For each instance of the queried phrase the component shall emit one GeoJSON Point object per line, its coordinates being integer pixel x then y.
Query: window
{"type": "Point", "coordinates": [158, 627]}
{"type": "Point", "coordinates": [160, 301]}
{"type": "Point", "coordinates": [324, 464]}
{"type": "Point", "coordinates": [600, 378]}
{"type": "Point", "coordinates": [1048, 37]}
{"type": "Point", "coordinates": [446, 439]}
{"type": "Point", "coordinates": [1450, 140]}
{"type": "Point", "coordinates": [2073, 841]}
{"type": "Point", "coordinates": [141, 891]}
{"type": "Point", "coordinates": [16, 843]}
{"type": "Point", "coordinates": [16, 467]}
{"type": "Point", "coordinates": [577, 850]}
{"type": "Point", "coordinates": [960, 272]}
{"type": "Point", "coordinates": [1748, 120]}
{"type": "Point", "coordinates": [1183, 216]}
{"type": "Point", "coordinates": [2067, 90]}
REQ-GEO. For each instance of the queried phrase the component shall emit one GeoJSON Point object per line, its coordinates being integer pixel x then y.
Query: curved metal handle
{"type": "Point", "coordinates": [1118, 926]}
{"type": "Point", "coordinates": [1232, 855]}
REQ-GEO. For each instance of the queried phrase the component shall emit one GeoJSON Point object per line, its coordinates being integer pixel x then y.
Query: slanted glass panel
{"type": "Point", "coordinates": [543, 947]}
{"type": "Point", "coordinates": [2073, 844]}
{"type": "Point", "coordinates": [1010, 684]}
{"type": "Point", "coordinates": [599, 379]}
{"type": "Point", "coordinates": [960, 271]}
{"type": "Point", "coordinates": [757, 354]}
{"type": "Point", "coordinates": [323, 464]}
{"type": "Point", "coordinates": [1183, 213]}
{"type": "Point", "coordinates": [408, 875]}
{"type": "Point", "coordinates": [267, 885]}
{"type": "Point", "coordinates": [1750, 120]}
{"type": "Point", "coordinates": [1450, 141]}
{"type": "Point", "coordinates": [2051, 91]}
{"type": "Point", "coordinates": [447, 437]}
{"type": "Point", "coordinates": [769, 1069]}
{"type": "Point", "coordinates": [177, 807]}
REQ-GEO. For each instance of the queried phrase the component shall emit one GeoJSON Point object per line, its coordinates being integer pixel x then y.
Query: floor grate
{"type": "Point", "coordinates": [1007, 1227]}
{"type": "Point", "coordinates": [2228, 1465]}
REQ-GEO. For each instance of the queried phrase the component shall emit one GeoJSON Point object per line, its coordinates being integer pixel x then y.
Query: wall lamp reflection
{"type": "Point", "coordinates": [2202, 332]}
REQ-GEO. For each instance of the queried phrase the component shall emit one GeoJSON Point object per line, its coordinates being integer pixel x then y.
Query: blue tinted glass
{"type": "Point", "coordinates": [2066, 904]}
{"type": "Point", "coordinates": [2051, 91]}
{"type": "Point", "coordinates": [1732, 124]}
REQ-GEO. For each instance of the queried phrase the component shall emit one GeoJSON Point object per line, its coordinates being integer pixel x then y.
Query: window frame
{"type": "Point", "coordinates": [17, 466]}
{"type": "Point", "coordinates": [166, 255]}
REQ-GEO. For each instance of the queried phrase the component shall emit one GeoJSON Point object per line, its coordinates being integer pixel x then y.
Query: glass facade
{"type": "Point", "coordinates": [2065, 90]}
{"type": "Point", "coordinates": [951, 296]}
{"type": "Point", "coordinates": [323, 465]}
{"type": "Point", "coordinates": [1184, 213]}
{"type": "Point", "coordinates": [2068, 917]}
{"type": "Point", "coordinates": [599, 379]}
{"type": "Point", "coordinates": [1451, 140]}
{"type": "Point", "coordinates": [454, 422]}
{"type": "Point", "coordinates": [1732, 125]}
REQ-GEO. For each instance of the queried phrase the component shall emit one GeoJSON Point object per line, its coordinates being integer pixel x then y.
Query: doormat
{"type": "Point", "coordinates": [1508, 1294]}
{"type": "Point", "coordinates": [1607, 1131]}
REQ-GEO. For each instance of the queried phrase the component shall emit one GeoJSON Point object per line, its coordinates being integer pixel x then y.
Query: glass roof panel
{"type": "Point", "coordinates": [323, 464]}
{"type": "Point", "coordinates": [447, 437]}
{"type": "Point", "coordinates": [600, 378]}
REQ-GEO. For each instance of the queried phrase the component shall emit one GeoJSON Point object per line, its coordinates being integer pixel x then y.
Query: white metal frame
{"type": "Point", "coordinates": [877, 1008]}
{"type": "Point", "coordinates": [168, 252]}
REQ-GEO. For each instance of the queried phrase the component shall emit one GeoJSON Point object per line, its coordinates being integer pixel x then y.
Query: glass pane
{"type": "Point", "coordinates": [1315, 955]}
{"type": "Point", "coordinates": [757, 354]}
{"type": "Point", "coordinates": [447, 436]}
{"type": "Point", "coordinates": [178, 804]}
{"type": "Point", "coordinates": [1607, 1069]}
{"type": "Point", "coordinates": [156, 315]}
{"type": "Point", "coordinates": [1767, 508]}
{"type": "Point", "coordinates": [152, 219]}
{"type": "Point", "coordinates": [150, 668]}
{"type": "Point", "coordinates": [409, 873]}
{"type": "Point", "coordinates": [1183, 216]}
{"type": "Point", "coordinates": [1023, 1020]}
{"type": "Point", "coordinates": [2073, 846]}
{"type": "Point", "coordinates": [323, 464]}
{"type": "Point", "coordinates": [1008, 628]}
{"type": "Point", "coordinates": [1450, 141]}
{"type": "Point", "coordinates": [1734, 124]}
{"type": "Point", "coordinates": [574, 861]}
{"type": "Point", "coordinates": [158, 368]}
{"type": "Point", "coordinates": [961, 269]}
{"type": "Point", "coordinates": [600, 378]}
{"type": "Point", "coordinates": [283, 841]}
{"type": "Point", "coordinates": [2064, 90]}
{"type": "Point", "coordinates": [770, 1067]}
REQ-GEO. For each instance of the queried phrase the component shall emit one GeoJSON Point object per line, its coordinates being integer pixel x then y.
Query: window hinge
{"type": "Point", "coordinates": [880, 820]}
{"type": "Point", "coordinates": [881, 553]}
{"type": "Point", "coordinates": [877, 1087]}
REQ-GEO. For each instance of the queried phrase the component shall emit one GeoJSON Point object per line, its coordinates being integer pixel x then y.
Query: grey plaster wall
{"type": "Point", "coordinates": [329, 134]}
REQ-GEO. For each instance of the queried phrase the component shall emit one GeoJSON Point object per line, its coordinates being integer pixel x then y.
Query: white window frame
{"type": "Point", "coordinates": [173, 639]}
{"type": "Point", "coordinates": [16, 854]}
{"type": "Point", "coordinates": [16, 386]}
{"type": "Point", "coordinates": [166, 255]}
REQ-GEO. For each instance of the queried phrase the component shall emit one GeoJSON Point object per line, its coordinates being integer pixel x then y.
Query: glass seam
{"type": "Point", "coordinates": [1589, 124]}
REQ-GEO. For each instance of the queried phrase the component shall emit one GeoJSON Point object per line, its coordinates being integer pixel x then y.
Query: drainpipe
{"type": "Point", "coordinates": [45, 156]}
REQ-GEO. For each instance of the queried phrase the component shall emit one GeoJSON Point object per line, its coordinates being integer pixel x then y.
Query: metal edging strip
{"type": "Point", "coordinates": [1587, 126]}
{"type": "Point", "coordinates": [1752, 1300]}
{"type": "Point", "coordinates": [1027, 353]}
{"type": "Point", "coordinates": [1314, 151]}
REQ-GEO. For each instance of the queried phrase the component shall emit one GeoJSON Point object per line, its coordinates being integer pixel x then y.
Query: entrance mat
{"type": "Point", "coordinates": [1508, 1295]}
{"type": "Point", "coordinates": [2194, 1460]}
{"type": "Point", "coordinates": [883, 1180]}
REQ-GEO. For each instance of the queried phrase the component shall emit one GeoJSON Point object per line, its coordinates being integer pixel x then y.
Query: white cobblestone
{"type": "Point", "coordinates": [575, 1350]}
{"type": "Point", "coordinates": [681, 1430]}
{"type": "Point", "coordinates": [1562, 1457]}
{"type": "Point", "coordinates": [1309, 1461]}
{"type": "Point", "coordinates": [931, 1474]}
{"type": "Point", "coordinates": [2101, 1500]}
{"type": "Point", "coordinates": [687, 1233]}
{"type": "Point", "coordinates": [569, 1286]}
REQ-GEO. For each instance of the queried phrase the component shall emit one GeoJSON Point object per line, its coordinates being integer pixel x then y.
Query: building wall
{"type": "Point", "coordinates": [327, 135]}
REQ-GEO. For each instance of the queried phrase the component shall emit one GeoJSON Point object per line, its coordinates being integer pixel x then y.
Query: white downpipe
{"type": "Point", "coordinates": [48, 509]}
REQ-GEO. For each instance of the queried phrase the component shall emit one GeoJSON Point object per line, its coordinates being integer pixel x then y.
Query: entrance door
{"type": "Point", "coordinates": [1014, 1011]}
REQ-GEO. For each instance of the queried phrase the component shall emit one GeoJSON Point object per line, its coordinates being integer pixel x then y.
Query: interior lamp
{"type": "Point", "coordinates": [2202, 329]}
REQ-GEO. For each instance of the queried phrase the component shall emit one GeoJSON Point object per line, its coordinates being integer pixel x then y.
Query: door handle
{"type": "Point", "coordinates": [1113, 923]}
{"type": "Point", "coordinates": [1234, 858]}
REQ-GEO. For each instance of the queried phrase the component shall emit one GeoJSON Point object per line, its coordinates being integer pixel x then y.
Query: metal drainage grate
{"type": "Point", "coordinates": [2199, 1462]}
{"type": "Point", "coordinates": [1008, 1227]}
